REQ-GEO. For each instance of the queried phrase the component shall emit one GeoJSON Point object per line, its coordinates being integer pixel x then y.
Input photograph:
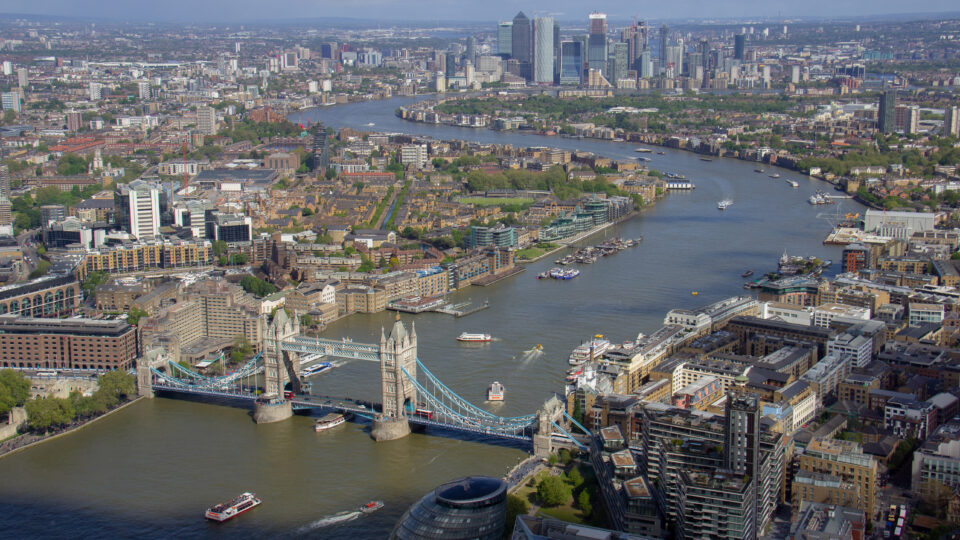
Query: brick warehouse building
{"type": "Point", "coordinates": [67, 343]}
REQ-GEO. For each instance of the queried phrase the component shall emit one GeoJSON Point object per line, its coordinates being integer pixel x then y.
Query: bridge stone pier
{"type": "Point", "coordinates": [398, 353]}
{"type": "Point", "coordinates": [550, 413]}
{"type": "Point", "coordinates": [279, 368]}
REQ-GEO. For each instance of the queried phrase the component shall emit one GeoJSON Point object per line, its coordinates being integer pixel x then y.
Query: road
{"type": "Point", "coordinates": [30, 256]}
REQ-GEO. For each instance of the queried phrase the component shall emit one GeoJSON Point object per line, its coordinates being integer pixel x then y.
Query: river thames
{"type": "Point", "coordinates": [151, 469]}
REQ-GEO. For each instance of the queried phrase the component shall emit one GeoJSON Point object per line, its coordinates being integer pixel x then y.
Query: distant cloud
{"type": "Point", "coordinates": [383, 11]}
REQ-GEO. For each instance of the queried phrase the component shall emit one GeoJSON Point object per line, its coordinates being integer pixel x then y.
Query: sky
{"type": "Point", "coordinates": [387, 11]}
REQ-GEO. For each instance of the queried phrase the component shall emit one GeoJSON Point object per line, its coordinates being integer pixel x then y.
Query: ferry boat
{"type": "Point", "coordinates": [371, 507]}
{"type": "Point", "coordinates": [316, 368]}
{"type": "Point", "coordinates": [474, 338]}
{"type": "Point", "coordinates": [722, 205]}
{"type": "Point", "coordinates": [582, 352]}
{"type": "Point", "coordinates": [229, 510]}
{"type": "Point", "coordinates": [644, 150]}
{"type": "Point", "coordinates": [793, 184]}
{"type": "Point", "coordinates": [495, 392]}
{"type": "Point", "coordinates": [748, 273]}
{"type": "Point", "coordinates": [329, 421]}
{"type": "Point", "coordinates": [775, 175]}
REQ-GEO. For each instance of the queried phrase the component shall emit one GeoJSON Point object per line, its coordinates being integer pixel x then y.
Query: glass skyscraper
{"type": "Point", "coordinates": [543, 50]}
{"type": "Point", "coordinates": [505, 38]}
{"type": "Point", "coordinates": [597, 42]}
{"type": "Point", "coordinates": [521, 44]}
{"type": "Point", "coordinates": [571, 62]}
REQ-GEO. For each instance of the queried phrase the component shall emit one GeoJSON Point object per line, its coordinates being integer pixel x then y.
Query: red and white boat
{"type": "Point", "coordinates": [229, 510]}
{"type": "Point", "coordinates": [495, 392]}
{"type": "Point", "coordinates": [474, 338]}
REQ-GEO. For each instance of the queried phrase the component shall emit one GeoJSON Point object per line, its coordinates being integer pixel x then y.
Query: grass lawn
{"type": "Point", "coordinates": [494, 201]}
{"type": "Point", "coordinates": [530, 253]}
{"type": "Point", "coordinates": [564, 512]}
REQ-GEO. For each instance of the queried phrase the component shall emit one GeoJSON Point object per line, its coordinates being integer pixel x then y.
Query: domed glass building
{"type": "Point", "coordinates": [472, 507]}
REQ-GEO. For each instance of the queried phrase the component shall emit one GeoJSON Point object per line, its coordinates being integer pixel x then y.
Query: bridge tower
{"type": "Point", "coordinates": [279, 368]}
{"type": "Point", "coordinates": [549, 413]}
{"type": "Point", "coordinates": [398, 353]}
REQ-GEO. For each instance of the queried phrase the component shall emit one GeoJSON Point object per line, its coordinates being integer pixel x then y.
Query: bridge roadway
{"type": "Point", "coordinates": [361, 408]}
{"type": "Point", "coordinates": [332, 348]}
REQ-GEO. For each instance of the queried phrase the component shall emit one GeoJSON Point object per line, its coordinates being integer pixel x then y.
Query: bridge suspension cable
{"type": "Point", "coordinates": [455, 398]}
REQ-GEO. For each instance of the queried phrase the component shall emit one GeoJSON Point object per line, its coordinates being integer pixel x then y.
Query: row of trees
{"type": "Point", "coordinates": [46, 413]}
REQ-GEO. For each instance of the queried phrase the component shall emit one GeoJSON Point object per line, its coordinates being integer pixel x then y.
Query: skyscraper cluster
{"type": "Point", "coordinates": [535, 50]}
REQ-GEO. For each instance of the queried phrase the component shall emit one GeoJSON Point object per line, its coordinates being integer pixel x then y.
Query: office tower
{"type": "Point", "coordinates": [236, 47]}
{"type": "Point", "coordinates": [886, 111]}
{"type": "Point", "coordinates": [74, 120]}
{"type": "Point", "coordinates": [739, 46]}
{"type": "Point", "coordinates": [51, 213]}
{"type": "Point", "coordinates": [556, 52]}
{"type": "Point", "coordinates": [617, 63]}
{"type": "Point", "coordinates": [10, 101]}
{"type": "Point", "coordinates": [22, 80]}
{"type": "Point", "coordinates": [522, 45]}
{"type": "Point", "coordinates": [571, 62]}
{"type": "Point", "coordinates": [631, 36]}
{"type": "Point", "coordinates": [138, 209]}
{"type": "Point", "coordinates": [450, 65]}
{"type": "Point", "coordinates": [664, 31]}
{"type": "Point", "coordinates": [471, 54]}
{"type": "Point", "coordinates": [207, 120]}
{"type": "Point", "coordinates": [505, 38]}
{"type": "Point", "coordinates": [646, 64]}
{"type": "Point", "coordinates": [704, 49]}
{"type": "Point", "coordinates": [674, 59]}
{"type": "Point", "coordinates": [597, 42]}
{"type": "Point", "coordinates": [951, 122]}
{"type": "Point", "coordinates": [795, 74]}
{"type": "Point", "coordinates": [95, 91]}
{"type": "Point", "coordinates": [143, 89]}
{"type": "Point", "coordinates": [7, 68]}
{"type": "Point", "coordinates": [543, 50]}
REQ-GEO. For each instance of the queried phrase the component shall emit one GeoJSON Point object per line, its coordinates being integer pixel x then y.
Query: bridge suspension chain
{"type": "Point", "coordinates": [455, 398]}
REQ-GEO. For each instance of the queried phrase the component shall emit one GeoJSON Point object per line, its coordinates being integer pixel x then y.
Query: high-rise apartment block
{"type": "Point", "coordinates": [951, 121]}
{"type": "Point", "coordinates": [10, 101]}
{"type": "Point", "coordinates": [207, 120]}
{"type": "Point", "coordinates": [886, 111]}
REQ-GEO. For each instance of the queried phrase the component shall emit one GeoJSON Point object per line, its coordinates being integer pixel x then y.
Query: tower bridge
{"type": "Point", "coordinates": [410, 394]}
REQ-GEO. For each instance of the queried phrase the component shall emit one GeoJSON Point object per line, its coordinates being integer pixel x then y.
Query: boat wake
{"type": "Point", "coordinates": [330, 520]}
{"type": "Point", "coordinates": [532, 354]}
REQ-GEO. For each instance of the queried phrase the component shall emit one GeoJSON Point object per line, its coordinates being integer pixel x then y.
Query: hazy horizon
{"type": "Point", "coordinates": [385, 11]}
